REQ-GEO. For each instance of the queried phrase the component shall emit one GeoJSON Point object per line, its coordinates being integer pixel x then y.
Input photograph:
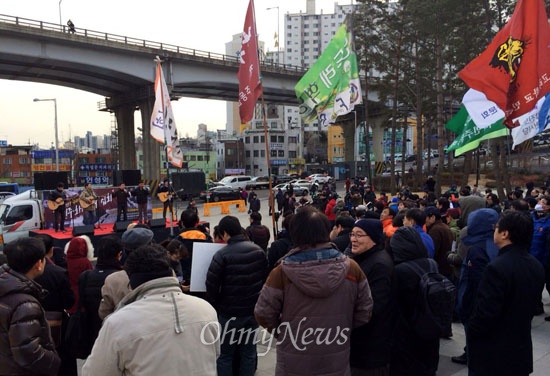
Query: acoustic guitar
{"type": "Point", "coordinates": [53, 205]}
{"type": "Point", "coordinates": [165, 196]}
{"type": "Point", "coordinates": [85, 204]}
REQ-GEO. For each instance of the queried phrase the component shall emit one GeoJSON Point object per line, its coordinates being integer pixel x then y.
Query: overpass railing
{"type": "Point", "coordinates": [98, 35]}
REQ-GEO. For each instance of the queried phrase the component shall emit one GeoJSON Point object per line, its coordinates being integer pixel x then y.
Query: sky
{"type": "Point", "coordinates": [202, 25]}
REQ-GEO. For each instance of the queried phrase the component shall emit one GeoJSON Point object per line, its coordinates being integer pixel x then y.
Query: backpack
{"type": "Point", "coordinates": [435, 302]}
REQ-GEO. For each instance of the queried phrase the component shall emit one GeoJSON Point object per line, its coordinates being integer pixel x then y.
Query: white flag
{"type": "Point", "coordinates": [528, 125]}
{"type": "Point", "coordinates": [163, 125]}
{"type": "Point", "coordinates": [482, 111]}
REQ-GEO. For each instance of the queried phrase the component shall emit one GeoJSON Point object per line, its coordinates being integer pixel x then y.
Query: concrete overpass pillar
{"type": "Point", "coordinates": [151, 147]}
{"type": "Point", "coordinates": [126, 137]}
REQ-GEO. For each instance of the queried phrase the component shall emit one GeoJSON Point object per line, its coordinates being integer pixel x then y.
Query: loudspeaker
{"type": "Point", "coordinates": [49, 180]}
{"type": "Point", "coordinates": [157, 223]}
{"type": "Point", "coordinates": [121, 226]}
{"type": "Point", "coordinates": [83, 230]}
{"type": "Point", "coordinates": [128, 177]}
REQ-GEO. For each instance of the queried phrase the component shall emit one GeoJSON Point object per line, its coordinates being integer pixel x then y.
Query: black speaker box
{"type": "Point", "coordinates": [128, 177]}
{"type": "Point", "coordinates": [121, 226]}
{"type": "Point", "coordinates": [48, 180]}
{"type": "Point", "coordinates": [156, 223]}
{"type": "Point", "coordinates": [83, 230]}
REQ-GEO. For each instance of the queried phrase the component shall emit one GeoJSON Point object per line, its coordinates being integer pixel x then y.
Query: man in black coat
{"type": "Point", "coordinates": [499, 330]}
{"type": "Point", "coordinates": [233, 283]}
{"type": "Point", "coordinates": [60, 297]}
{"type": "Point", "coordinates": [340, 232]}
{"type": "Point", "coordinates": [370, 343]}
{"type": "Point", "coordinates": [121, 195]}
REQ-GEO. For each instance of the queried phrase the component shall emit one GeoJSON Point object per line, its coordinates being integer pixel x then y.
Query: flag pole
{"type": "Point", "coordinates": [268, 159]}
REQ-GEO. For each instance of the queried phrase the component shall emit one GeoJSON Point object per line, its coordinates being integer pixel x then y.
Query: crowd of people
{"type": "Point", "coordinates": [339, 288]}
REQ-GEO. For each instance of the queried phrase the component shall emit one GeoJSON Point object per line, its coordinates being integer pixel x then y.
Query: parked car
{"type": "Point", "coordinates": [237, 181]}
{"type": "Point", "coordinates": [297, 189]}
{"type": "Point", "coordinates": [259, 182]}
{"type": "Point", "coordinates": [302, 183]}
{"type": "Point", "coordinates": [319, 178]}
{"type": "Point", "coordinates": [221, 193]}
{"type": "Point", "coordinates": [410, 158]}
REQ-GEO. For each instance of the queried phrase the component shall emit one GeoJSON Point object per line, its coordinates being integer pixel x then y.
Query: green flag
{"type": "Point", "coordinates": [469, 135]}
{"type": "Point", "coordinates": [331, 87]}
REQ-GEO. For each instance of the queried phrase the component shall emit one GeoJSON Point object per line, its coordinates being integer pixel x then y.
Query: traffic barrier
{"type": "Point", "coordinates": [241, 204]}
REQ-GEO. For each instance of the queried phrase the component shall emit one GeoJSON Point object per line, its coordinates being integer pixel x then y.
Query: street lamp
{"type": "Point", "coordinates": [278, 35]}
{"type": "Point", "coordinates": [55, 124]}
{"type": "Point", "coordinates": [60, 20]}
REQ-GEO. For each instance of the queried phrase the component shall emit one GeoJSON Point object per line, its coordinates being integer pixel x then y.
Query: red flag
{"type": "Point", "coordinates": [249, 70]}
{"type": "Point", "coordinates": [514, 70]}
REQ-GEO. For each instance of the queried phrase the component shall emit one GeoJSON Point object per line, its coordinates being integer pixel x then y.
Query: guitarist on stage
{"type": "Point", "coordinates": [88, 197]}
{"type": "Point", "coordinates": [165, 195]}
{"type": "Point", "coordinates": [57, 204]}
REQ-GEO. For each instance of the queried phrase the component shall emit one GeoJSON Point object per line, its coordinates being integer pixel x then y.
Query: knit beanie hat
{"type": "Point", "coordinates": [137, 237]}
{"type": "Point", "coordinates": [373, 228]}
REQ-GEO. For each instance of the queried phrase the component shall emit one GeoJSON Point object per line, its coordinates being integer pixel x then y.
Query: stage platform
{"type": "Point", "coordinates": [61, 238]}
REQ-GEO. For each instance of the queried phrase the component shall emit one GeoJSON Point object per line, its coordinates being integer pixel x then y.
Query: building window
{"type": "Point", "coordinates": [273, 138]}
{"type": "Point", "coordinates": [281, 139]}
{"type": "Point", "coordinates": [262, 139]}
{"type": "Point", "coordinates": [256, 153]}
{"type": "Point", "coordinates": [281, 153]}
{"type": "Point", "coordinates": [24, 160]}
{"type": "Point", "coordinates": [292, 140]}
{"type": "Point", "coordinates": [292, 153]}
{"type": "Point", "coordinates": [262, 153]}
{"type": "Point", "coordinates": [200, 158]}
{"type": "Point", "coordinates": [255, 139]}
{"type": "Point", "coordinates": [247, 140]}
{"type": "Point", "coordinates": [83, 160]}
{"type": "Point", "coordinates": [273, 153]}
{"type": "Point", "coordinates": [193, 158]}
{"type": "Point", "coordinates": [273, 125]}
{"type": "Point", "coordinates": [7, 160]}
{"type": "Point", "coordinates": [247, 153]}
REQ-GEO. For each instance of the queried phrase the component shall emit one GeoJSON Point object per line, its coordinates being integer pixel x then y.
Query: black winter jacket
{"type": "Point", "coordinates": [278, 249]}
{"type": "Point", "coordinates": [342, 240]}
{"type": "Point", "coordinates": [236, 276]}
{"type": "Point", "coordinates": [499, 331]}
{"type": "Point", "coordinates": [56, 281]}
{"type": "Point", "coordinates": [26, 346]}
{"type": "Point", "coordinates": [258, 234]}
{"type": "Point", "coordinates": [370, 343]}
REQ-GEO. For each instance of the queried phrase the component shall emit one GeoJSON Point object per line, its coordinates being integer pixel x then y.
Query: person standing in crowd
{"type": "Point", "coordinates": [498, 333]}
{"type": "Point", "coordinates": [116, 286]}
{"type": "Point", "coordinates": [77, 263]}
{"type": "Point", "coordinates": [417, 219]}
{"type": "Point", "coordinates": [481, 250]}
{"type": "Point", "coordinates": [109, 254]}
{"type": "Point", "coordinates": [340, 232]}
{"type": "Point", "coordinates": [541, 236]}
{"type": "Point", "coordinates": [254, 204]}
{"type": "Point", "coordinates": [257, 232]}
{"type": "Point", "coordinates": [193, 205]}
{"type": "Point", "coordinates": [141, 193]}
{"type": "Point", "coordinates": [329, 212]}
{"type": "Point", "coordinates": [370, 343]}
{"type": "Point", "coordinates": [175, 332]}
{"type": "Point", "coordinates": [166, 198]}
{"type": "Point", "coordinates": [280, 198]}
{"type": "Point", "coordinates": [89, 199]}
{"type": "Point", "coordinates": [443, 240]}
{"type": "Point", "coordinates": [58, 197]}
{"type": "Point", "coordinates": [26, 346]}
{"type": "Point", "coordinates": [121, 196]}
{"type": "Point", "coordinates": [190, 233]}
{"type": "Point", "coordinates": [60, 298]}
{"type": "Point", "coordinates": [281, 245]}
{"type": "Point", "coordinates": [233, 282]}
{"type": "Point", "coordinates": [314, 286]}
{"type": "Point", "coordinates": [411, 354]}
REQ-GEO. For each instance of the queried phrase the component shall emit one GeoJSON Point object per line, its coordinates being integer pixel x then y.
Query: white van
{"type": "Point", "coordinates": [239, 181]}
